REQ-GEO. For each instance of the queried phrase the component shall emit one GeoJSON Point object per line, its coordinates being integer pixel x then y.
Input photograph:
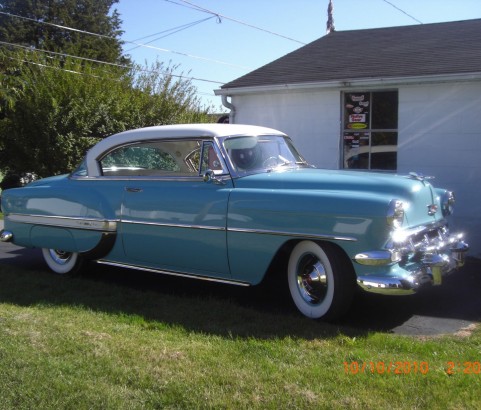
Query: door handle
{"type": "Point", "coordinates": [132, 189]}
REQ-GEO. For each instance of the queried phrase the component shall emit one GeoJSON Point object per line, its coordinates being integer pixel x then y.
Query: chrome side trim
{"type": "Point", "coordinates": [165, 225]}
{"type": "Point", "coordinates": [194, 178]}
{"type": "Point", "coordinates": [243, 230]}
{"type": "Point", "coordinates": [294, 234]}
{"type": "Point", "coordinates": [93, 224]}
{"type": "Point", "coordinates": [172, 273]}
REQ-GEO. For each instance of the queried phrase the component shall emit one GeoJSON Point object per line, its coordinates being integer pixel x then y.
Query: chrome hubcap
{"type": "Point", "coordinates": [311, 279]}
{"type": "Point", "coordinates": [60, 257]}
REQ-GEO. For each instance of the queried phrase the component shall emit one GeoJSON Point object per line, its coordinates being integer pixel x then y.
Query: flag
{"type": "Point", "coordinates": [330, 20]}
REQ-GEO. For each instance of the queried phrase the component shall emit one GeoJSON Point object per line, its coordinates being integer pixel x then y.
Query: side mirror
{"type": "Point", "coordinates": [209, 176]}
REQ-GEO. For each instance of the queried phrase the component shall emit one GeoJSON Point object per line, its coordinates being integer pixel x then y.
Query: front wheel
{"type": "Point", "coordinates": [320, 279]}
{"type": "Point", "coordinates": [62, 263]}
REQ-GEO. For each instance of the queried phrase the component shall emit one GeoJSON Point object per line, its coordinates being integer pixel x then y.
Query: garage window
{"type": "Point", "coordinates": [370, 130]}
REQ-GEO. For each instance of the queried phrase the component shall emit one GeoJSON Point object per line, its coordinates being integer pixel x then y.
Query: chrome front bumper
{"type": "Point", "coordinates": [414, 258]}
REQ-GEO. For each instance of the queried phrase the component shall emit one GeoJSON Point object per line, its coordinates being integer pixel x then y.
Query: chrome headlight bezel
{"type": "Point", "coordinates": [395, 214]}
{"type": "Point", "coordinates": [448, 200]}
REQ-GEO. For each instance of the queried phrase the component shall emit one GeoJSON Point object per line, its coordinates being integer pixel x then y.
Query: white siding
{"type": "Point", "coordinates": [311, 119]}
{"type": "Point", "coordinates": [439, 134]}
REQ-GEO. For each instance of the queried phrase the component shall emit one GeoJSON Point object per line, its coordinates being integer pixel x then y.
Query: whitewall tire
{"type": "Point", "coordinates": [320, 280]}
{"type": "Point", "coordinates": [62, 263]}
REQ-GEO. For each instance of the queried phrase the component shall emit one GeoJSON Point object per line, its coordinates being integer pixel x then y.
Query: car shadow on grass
{"type": "Point", "coordinates": [263, 311]}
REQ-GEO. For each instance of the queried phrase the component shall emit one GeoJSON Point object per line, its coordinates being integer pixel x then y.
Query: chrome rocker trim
{"type": "Point", "coordinates": [172, 273]}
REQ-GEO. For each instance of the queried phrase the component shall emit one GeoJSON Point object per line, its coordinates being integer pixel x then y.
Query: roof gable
{"type": "Point", "coordinates": [407, 51]}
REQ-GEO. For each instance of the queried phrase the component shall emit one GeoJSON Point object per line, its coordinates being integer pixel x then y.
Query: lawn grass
{"type": "Point", "coordinates": [97, 343]}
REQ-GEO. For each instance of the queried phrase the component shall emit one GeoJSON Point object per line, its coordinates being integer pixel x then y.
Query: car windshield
{"type": "Point", "coordinates": [249, 154]}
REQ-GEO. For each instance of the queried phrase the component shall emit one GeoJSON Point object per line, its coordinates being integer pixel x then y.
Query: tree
{"type": "Point", "coordinates": [67, 105]}
{"type": "Point", "coordinates": [46, 18]}
{"type": "Point", "coordinates": [54, 106]}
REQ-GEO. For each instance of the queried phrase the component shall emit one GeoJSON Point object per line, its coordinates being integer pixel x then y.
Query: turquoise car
{"type": "Point", "coordinates": [232, 203]}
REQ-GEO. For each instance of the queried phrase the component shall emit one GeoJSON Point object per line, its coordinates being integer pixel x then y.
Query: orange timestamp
{"type": "Point", "coordinates": [463, 368]}
{"type": "Point", "coordinates": [409, 367]}
{"type": "Point", "coordinates": [381, 367]}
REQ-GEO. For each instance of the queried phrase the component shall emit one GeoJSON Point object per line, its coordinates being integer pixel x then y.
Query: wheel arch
{"type": "Point", "coordinates": [278, 266]}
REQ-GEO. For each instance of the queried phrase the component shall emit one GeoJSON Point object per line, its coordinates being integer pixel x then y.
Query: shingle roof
{"type": "Point", "coordinates": [421, 50]}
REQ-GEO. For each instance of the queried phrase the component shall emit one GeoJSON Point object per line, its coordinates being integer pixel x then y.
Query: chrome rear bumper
{"type": "Point", "coordinates": [6, 236]}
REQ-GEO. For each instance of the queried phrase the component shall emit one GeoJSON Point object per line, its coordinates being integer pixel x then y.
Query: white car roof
{"type": "Point", "coordinates": [167, 132]}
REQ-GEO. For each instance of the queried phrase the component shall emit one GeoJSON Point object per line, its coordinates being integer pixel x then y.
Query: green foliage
{"type": "Point", "coordinates": [66, 106]}
{"type": "Point", "coordinates": [94, 16]}
{"type": "Point", "coordinates": [53, 107]}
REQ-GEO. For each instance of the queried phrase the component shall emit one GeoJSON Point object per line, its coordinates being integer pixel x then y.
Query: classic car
{"type": "Point", "coordinates": [232, 203]}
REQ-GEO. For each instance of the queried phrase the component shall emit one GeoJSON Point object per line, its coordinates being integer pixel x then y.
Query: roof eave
{"type": "Point", "coordinates": [351, 83]}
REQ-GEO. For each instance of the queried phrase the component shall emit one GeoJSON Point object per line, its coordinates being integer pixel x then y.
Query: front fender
{"type": "Point", "coordinates": [260, 221]}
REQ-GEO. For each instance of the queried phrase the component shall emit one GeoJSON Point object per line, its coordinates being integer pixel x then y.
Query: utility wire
{"type": "Point", "coordinates": [402, 11]}
{"type": "Point", "coordinates": [126, 41]}
{"type": "Point", "coordinates": [168, 32]}
{"type": "Point", "coordinates": [137, 68]}
{"type": "Point", "coordinates": [175, 29]}
{"type": "Point", "coordinates": [59, 69]}
{"type": "Point", "coordinates": [193, 6]}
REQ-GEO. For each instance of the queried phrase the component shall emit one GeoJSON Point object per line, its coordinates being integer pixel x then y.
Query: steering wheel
{"type": "Point", "coordinates": [270, 162]}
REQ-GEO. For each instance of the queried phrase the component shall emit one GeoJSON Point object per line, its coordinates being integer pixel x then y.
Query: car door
{"type": "Point", "coordinates": [171, 219]}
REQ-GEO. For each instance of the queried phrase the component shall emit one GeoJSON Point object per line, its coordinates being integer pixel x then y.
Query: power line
{"type": "Point", "coordinates": [402, 11]}
{"type": "Point", "coordinates": [126, 41]}
{"type": "Point", "coordinates": [175, 29]}
{"type": "Point", "coordinates": [137, 68]}
{"type": "Point", "coordinates": [169, 32]}
{"type": "Point", "coordinates": [60, 69]}
{"type": "Point", "coordinates": [193, 6]}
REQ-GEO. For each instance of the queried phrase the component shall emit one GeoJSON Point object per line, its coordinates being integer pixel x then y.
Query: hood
{"type": "Point", "coordinates": [333, 180]}
{"type": "Point", "coordinates": [416, 194]}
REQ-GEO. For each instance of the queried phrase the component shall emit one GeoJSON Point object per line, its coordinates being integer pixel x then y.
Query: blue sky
{"type": "Point", "coordinates": [219, 50]}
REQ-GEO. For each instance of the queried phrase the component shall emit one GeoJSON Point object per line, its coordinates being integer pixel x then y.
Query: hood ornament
{"type": "Point", "coordinates": [418, 176]}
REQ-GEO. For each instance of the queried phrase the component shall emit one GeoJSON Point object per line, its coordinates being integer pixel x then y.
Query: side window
{"type": "Point", "coordinates": [154, 158]}
{"type": "Point", "coordinates": [210, 159]}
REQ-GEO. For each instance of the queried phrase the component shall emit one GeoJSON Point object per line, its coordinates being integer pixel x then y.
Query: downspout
{"type": "Point", "coordinates": [230, 106]}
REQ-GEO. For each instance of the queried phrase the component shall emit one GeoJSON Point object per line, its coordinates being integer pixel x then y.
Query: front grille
{"type": "Point", "coordinates": [414, 243]}
{"type": "Point", "coordinates": [433, 237]}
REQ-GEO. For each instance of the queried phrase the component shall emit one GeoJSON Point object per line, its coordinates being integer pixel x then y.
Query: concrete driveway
{"type": "Point", "coordinates": [454, 307]}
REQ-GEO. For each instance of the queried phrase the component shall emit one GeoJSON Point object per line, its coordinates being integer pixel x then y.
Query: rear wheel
{"type": "Point", "coordinates": [61, 262]}
{"type": "Point", "coordinates": [321, 281]}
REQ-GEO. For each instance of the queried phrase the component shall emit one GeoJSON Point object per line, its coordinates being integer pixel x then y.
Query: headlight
{"type": "Point", "coordinates": [395, 214]}
{"type": "Point", "coordinates": [447, 203]}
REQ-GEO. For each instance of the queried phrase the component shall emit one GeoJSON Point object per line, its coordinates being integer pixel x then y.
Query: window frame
{"type": "Point", "coordinates": [369, 132]}
{"type": "Point", "coordinates": [163, 174]}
